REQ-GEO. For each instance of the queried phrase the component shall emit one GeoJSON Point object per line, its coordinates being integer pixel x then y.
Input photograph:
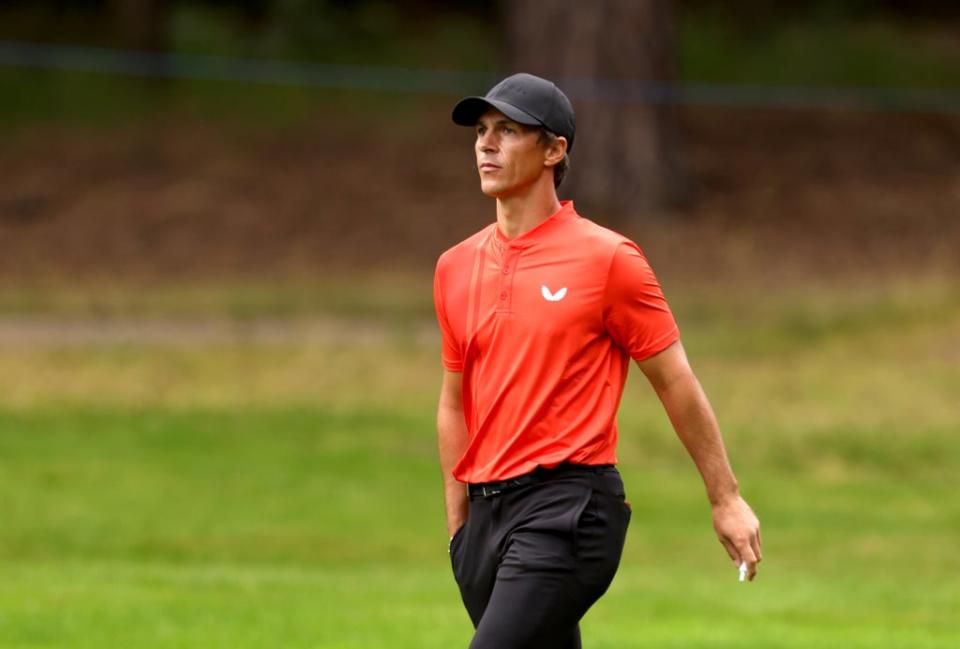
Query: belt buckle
{"type": "Point", "coordinates": [487, 492]}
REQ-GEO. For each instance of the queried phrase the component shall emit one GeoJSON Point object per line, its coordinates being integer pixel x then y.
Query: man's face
{"type": "Point", "coordinates": [509, 156]}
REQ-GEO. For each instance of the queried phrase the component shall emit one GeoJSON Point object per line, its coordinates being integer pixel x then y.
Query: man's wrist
{"type": "Point", "coordinates": [722, 497]}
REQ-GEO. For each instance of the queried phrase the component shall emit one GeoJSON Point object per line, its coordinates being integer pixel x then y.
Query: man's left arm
{"type": "Point", "coordinates": [672, 378]}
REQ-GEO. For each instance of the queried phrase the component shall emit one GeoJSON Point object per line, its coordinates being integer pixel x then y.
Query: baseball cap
{"type": "Point", "coordinates": [526, 99]}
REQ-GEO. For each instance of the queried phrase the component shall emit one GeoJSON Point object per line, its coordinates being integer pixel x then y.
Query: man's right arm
{"type": "Point", "coordinates": [451, 444]}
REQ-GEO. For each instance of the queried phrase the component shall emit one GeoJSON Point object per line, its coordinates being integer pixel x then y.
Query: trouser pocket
{"type": "Point", "coordinates": [600, 534]}
{"type": "Point", "coordinates": [454, 549]}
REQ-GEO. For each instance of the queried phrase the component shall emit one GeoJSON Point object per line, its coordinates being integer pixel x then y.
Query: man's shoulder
{"type": "Point", "coordinates": [465, 248]}
{"type": "Point", "coordinates": [599, 240]}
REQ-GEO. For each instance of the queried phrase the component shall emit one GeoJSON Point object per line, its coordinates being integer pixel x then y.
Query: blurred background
{"type": "Point", "coordinates": [218, 359]}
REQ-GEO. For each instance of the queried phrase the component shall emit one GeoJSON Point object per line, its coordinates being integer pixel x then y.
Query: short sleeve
{"type": "Point", "coordinates": [450, 349]}
{"type": "Point", "coordinates": [635, 313]}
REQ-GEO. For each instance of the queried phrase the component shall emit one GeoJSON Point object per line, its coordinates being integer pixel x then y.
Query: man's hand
{"type": "Point", "coordinates": [739, 531]}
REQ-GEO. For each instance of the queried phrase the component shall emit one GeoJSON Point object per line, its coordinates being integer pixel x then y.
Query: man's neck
{"type": "Point", "coordinates": [520, 213]}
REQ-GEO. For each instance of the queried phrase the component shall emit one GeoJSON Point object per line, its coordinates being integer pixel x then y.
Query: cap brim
{"type": "Point", "coordinates": [468, 111]}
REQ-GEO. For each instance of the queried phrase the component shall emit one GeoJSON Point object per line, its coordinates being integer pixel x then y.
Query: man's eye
{"type": "Point", "coordinates": [507, 129]}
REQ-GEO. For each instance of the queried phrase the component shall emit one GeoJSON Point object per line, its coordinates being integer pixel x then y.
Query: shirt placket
{"type": "Point", "coordinates": [508, 269]}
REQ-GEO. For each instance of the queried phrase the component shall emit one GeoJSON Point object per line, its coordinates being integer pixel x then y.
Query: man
{"type": "Point", "coordinates": [540, 313]}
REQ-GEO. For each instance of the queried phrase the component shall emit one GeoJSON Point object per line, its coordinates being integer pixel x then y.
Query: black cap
{"type": "Point", "coordinates": [525, 99]}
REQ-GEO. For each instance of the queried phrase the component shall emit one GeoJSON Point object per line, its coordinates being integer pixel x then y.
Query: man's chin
{"type": "Point", "coordinates": [494, 190]}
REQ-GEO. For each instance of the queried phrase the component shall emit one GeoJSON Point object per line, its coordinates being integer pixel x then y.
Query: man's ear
{"type": "Point", "coordinates": [555, 151]}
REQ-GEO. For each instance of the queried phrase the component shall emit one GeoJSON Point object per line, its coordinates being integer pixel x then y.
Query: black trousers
{"type": "Point", "coordinates": [531, 560]}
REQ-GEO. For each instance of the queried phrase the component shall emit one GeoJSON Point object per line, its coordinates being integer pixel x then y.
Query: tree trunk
{"type": "Point", "coordinates": [603, 53]}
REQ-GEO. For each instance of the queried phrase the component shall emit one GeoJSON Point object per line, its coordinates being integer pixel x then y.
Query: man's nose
{"type": "Point", "coordinates": [485, 142]}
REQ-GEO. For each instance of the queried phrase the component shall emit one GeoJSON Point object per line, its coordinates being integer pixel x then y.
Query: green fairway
{"type": "Point", "coordinates": [285, 493]}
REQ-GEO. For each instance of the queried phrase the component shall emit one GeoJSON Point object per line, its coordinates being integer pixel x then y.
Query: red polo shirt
{"type": "Point", "coordinates": [542, 328]}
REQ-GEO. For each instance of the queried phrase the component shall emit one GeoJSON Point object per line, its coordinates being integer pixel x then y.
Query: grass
{"type": "Point", "coordinates": [391, 296]}
{"type": "Point", "coordinates": [285, 493]}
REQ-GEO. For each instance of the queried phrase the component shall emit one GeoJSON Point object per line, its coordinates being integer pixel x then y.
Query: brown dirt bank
{"type": "Point", "coordinates": [780, 195]}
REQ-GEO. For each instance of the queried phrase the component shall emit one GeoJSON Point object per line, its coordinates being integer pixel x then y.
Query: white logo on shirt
{"type": "Point", "coordinates": [552, 297]}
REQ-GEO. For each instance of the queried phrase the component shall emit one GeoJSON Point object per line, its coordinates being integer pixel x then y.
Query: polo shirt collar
{"type": "Point", "coordinates": [565, 213]}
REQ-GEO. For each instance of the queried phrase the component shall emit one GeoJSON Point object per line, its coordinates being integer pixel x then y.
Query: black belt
{"type": "Point", "coordinates": [540, 474]}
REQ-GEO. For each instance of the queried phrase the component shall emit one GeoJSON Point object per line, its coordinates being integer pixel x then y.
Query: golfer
{"type": "Point", "coordinates": [540, 314]}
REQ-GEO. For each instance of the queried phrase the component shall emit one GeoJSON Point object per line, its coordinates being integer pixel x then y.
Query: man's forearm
{"type": "Point", "coordinates": [451, 444]}
{"type": "Point", "coordinates": [696, 426]}
{"type": "Point", "coordinates": [692, 417]}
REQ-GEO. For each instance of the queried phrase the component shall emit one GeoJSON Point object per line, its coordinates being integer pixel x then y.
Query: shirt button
{"type": "Point", "coordinates": [503, 295]}
{"type": "Point", "coordinates": [506, 270]}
